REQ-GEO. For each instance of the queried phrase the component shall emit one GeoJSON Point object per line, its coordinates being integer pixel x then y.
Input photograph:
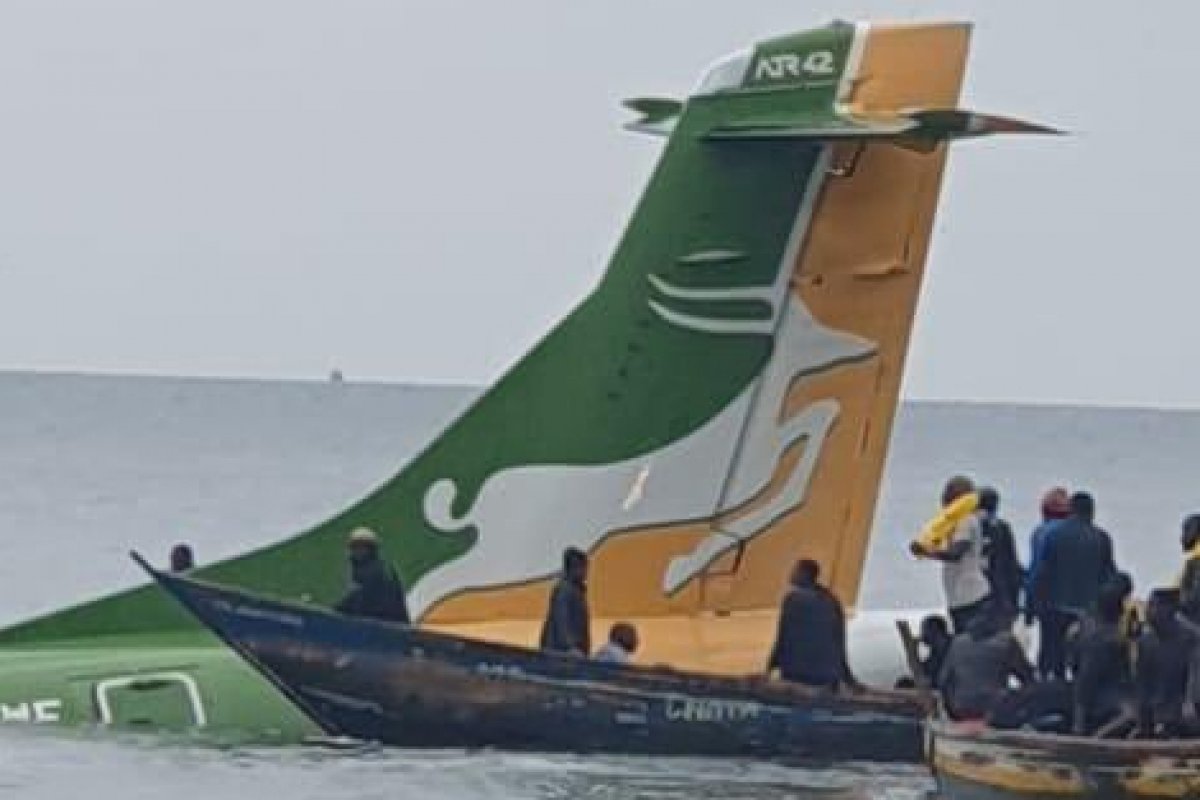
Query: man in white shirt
{"type": "Point", "coordinates": [621, 645]}
{"type": "Point", "coordinates": [963, 577]}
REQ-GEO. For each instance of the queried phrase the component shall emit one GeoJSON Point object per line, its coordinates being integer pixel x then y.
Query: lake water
{"type": "Point", "coordinates": [91, 467]}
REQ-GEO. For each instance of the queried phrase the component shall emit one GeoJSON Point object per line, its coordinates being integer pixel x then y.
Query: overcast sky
{"type": "Point", "coordinates": [417, 190]}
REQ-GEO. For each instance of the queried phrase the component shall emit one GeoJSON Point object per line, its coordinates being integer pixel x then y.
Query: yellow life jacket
{"type": "Point", "coordinates": [939, 531]}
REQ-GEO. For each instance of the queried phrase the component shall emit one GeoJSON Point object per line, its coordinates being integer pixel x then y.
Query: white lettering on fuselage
{"type": "Point", "coordinates": [34, 711]}
{"type": "Point", "coordinates": [500, 671]}
{"type": "Point", "coordinates": [691, 709]}
{"type": "Point", "coordinates": [791, 65]}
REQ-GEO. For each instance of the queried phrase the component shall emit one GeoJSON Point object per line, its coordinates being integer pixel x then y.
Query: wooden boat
{"type": "Point", "coordinates": [971, 762]}
{"type": "Point", "coordinates": [403, 686]}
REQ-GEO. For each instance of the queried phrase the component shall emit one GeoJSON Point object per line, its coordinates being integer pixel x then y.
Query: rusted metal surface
{"type": "Point", "coordinates": [412, 688]}
{"type": "Point", "coordinates": [974, 763]}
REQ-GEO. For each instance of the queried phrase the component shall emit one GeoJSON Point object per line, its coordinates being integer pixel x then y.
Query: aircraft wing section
{"type": "Point", "coordinates": [919, 129]}
{"type": "Point", "coordinates": [658, 114]}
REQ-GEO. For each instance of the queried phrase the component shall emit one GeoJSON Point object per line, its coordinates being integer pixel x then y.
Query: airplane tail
{"type": "Point", "coordinates": [719, 406]}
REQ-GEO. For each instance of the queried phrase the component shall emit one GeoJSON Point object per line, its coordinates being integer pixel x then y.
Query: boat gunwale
{"type": "Point", "coordinates": [1069, 746]}
{"type": "Point", "coordinates": [900, 702]}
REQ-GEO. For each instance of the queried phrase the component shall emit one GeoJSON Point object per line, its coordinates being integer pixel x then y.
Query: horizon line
{"type": "Point", "coordinates": [430, 383]}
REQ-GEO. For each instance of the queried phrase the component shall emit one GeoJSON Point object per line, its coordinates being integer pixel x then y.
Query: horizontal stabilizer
{"type": "Point", "coordinates": [658, 114]}
{"type": "Point", "coordinates": [919, 129]}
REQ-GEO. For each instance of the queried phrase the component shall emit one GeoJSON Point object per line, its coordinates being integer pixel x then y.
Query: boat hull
{"type": "Point", "coordinates": [411, 688]}
{"type": "Point", "coordinates": [975, 764]}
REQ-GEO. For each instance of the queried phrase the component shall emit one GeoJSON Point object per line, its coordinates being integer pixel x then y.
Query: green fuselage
{"type": "Point", "coordinates": [182, 681]}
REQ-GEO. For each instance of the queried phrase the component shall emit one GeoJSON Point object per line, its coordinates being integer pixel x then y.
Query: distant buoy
{"type": "Point", "coordinates": [336, 376]}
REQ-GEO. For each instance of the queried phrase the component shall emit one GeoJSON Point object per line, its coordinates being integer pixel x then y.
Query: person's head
{"type": "Point", "coordinates": [1123, 584]}
{"type": "Point", "coordinates": [1083, 506]}
{"type": "Point", "coordinates": [575, 564]}
{"type": "Point", "coordinates": [1110, 603]}
{"type": "Point", "coordinates": [362, 546]}
{"type": "Point", "coordinates": [1056, 504]}
{"type": "Point", "coordinates": [806, 572]}
{"type": "Point", "coordinates": [1191, 532]}
{"type": "Point", "coordinates": [182, 558]}
{"type": "Point", "coordinates": [934, 630]}
{"type": "Point", "coordinates": [625, 636]}
{"type": "Point", "coordinates": [1161, 609]}
{"type": "Point", "coordinates": [955, 488]}
{"type": "Point", "coordinates": [989, 500]}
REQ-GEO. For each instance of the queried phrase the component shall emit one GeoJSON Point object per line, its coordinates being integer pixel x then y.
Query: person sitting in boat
{"type": "Point", "coordinates": [1189, 581]}
{"type": "Point", "coordinates": [810, 643]}
{"type": "Point", "coordinates": [567, 628]}
{"type": "Point", "coordinates": [182, 558]}
{"type": "Point", "coordinates": [1002, 567]}
{"type": "Point", "coordinates": [981, 664]}
{"type": "Point", "coordinates": [1166, 652]}
{"type": "Point", "coordinates": [621, 645]}
{"type": "Point", "coordinates": [1100, 664]}
{"type": "Point", "coordinates": [376, 591]}
{"type": "Point", "coordinates": [1076, 563]}
{"type": "Point", "coordinates": [955, 538]}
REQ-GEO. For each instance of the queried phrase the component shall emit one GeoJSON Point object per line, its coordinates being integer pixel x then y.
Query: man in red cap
{"type": "Point", "coordinates": [1056, 506]}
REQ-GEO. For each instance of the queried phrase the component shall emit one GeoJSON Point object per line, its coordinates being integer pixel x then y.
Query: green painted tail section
{"type": "Point", "coordinates": [613, 381]}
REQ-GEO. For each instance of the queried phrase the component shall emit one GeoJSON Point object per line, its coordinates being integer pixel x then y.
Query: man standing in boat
{"type": "Point", "coordinates": [1056, 507]}
{"type": "Point", "coordinates": [1002, 566]}
{"type": "Point", "coordinates": [567, 628]}
{"type": "Point", "coordinates": [1189, 579]}
{"type": "Point", "coordinates": [960, 551]}
{"type": "Point", "coordinates": [376, 591]}
{"type": "Point", "coordinates": [810, 645]}
{"type": "Point", "coordinates": [1076, 564]}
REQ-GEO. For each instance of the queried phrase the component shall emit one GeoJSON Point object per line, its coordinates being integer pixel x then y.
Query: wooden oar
{"type": "Point", "coordinates": [912, 654]}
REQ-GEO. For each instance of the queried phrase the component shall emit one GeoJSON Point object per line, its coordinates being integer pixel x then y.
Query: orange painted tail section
{"type": "Point", "coordinates": [861, 272]}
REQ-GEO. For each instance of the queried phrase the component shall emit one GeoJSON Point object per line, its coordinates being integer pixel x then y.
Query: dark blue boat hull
{"type": "Point", "coordinates": [412, 688]}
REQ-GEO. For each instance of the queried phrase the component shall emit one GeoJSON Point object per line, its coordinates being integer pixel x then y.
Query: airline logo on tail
{"type": "Point", "coordinates": [524, 516]}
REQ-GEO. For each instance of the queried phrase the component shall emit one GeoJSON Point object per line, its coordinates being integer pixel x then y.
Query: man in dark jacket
{"type": "Point", "coordinates": [1001, 565]}
{"type": "Point", "coordinates": [810, 645]}
{"type": "Point", "coordinates": [376, 591]}
{"type": "Point", "coordinates": [1103, 678]}
{"type": "Point", "coordinates": [980, 664]}
{"type": "Point", "coordinates": [1165, 653]}
{"type": "Point", "coordinates": [1189, 581]}
{"type": "Point", "coordinates": [1077, 562]}
{"type": "Point", "coordinates": [567, 628]}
